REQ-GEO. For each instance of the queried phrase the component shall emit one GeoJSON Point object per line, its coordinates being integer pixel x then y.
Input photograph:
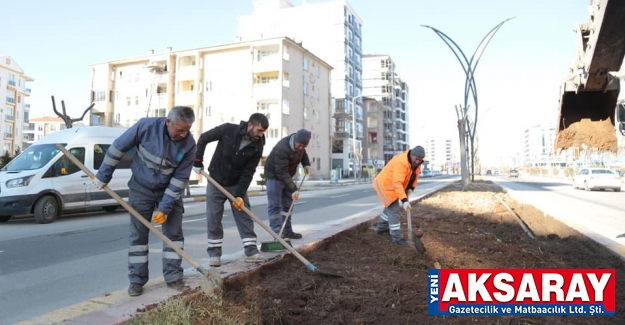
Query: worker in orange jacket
{"type": "Point", "coordinates": [394, 184]}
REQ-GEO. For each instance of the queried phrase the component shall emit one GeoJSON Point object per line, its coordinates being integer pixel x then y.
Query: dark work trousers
{"type": "Point", "coordinates": [145, 201]}
{"type": "Point", "coordinates": [278, 203]}
{"type": "Point", "coordinates": [214, 215]}
{"type": "Point", "coordinates": [390, 220]}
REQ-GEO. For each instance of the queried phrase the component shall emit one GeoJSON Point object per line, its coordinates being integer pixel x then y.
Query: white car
{"type": "Point", "coordinates": [597, 178]}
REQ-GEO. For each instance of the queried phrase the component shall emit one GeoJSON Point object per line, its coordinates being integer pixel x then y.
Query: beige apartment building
{"type": "Point", "coordinates": [39, 127]}
{"type": "Point", "coordinates": [225, 83]}
{"type": "Point", "coordinates": [14, 112]}
{"type": "Point", "coordinates": [373, 149]}
{"type": "Point", "coordinates": [382, 82]}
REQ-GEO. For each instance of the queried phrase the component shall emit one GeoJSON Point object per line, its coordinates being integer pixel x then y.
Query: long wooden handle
{"type": "Point", "coordinates": [258, 221]}
{"type": "Point", "coordinates": [131, 209]}
{"type": "Point", "coordinates": [288, 214]}
{"type": "Point", "coordinates": [409, 225]}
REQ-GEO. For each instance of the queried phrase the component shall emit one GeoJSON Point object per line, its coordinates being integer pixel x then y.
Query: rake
{"type": "Point", "coordinates": [211, 280]}
{"type": "Point", "coordinates": [254, 217]}
{"type": "Point", "coordinates": [275, 245]}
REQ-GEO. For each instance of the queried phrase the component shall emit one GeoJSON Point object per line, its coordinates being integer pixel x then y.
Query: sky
{"type": "Point", "coordinates": [518, 77]}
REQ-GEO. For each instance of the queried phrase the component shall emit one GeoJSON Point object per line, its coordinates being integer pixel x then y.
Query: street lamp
{"type": "Point", "coordinates": [354, 133]}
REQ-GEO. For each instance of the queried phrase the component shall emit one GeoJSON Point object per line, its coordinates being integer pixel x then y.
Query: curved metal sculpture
{"type": "Point", "coordinates": [68, 120]}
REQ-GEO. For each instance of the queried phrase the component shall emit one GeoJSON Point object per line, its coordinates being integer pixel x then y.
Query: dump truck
{"type": "Point", "coordinates": [589, 108]}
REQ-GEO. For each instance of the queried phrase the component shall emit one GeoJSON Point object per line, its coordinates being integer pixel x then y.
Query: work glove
{"type": "Point", "coordinates": [159, 218]}
{"type": "Point", "coordinates": [408, 192]}
{"type": "Point", "coordinates": [295, 195]}
{"type": "Point", "coordinates": [238, 203]}
{"type": "Point", "coordinates": [198, 165]}
{"type": "Point", "coordinates": [307, 170]}
{"type": "Point", "coordinates": [406, 205]}
{"type": "Point", "coordinates": [98, 183]}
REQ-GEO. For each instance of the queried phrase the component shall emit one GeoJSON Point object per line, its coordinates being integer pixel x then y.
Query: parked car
{"type": "Point", "coordinates": [597, 178]}
{"type": "Point", "coordinates": [488, 172]}
{"type": "Point", "coordinates": [513, 173]}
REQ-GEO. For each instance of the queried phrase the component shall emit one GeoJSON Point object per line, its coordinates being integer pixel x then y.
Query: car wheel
{"type": "Point", "coordinates": [46, 209]}
{"type": "Point", "coordinates": [5, 218]}
{"type": "Point", "coordinates": [586, 188]}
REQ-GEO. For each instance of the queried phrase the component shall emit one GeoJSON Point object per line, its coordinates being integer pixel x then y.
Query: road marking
{"type": "Point", "coordinates": [1, 251]}
{"type": "Point", "coordinates": [335, 196]}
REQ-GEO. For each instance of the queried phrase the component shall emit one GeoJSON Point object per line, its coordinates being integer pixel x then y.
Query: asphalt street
{"type": "Point", "coordinates": [47, 267]}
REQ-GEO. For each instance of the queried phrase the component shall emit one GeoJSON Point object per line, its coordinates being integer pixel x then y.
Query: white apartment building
{"type": "Point", "coordinates": [15, 110]}
{"type": "Point", "coordinates": [225, 83]}
{"type": "Point", "coordinates": [331, 30]}
{"type": "Point", "coordinates": [381, 81]}
{"type": "Point", "coordinates": [440, 154]}
{"type": "Point", "coordinates": [39, 127]}
{"type": "Point", "coordinates": [538, 146]}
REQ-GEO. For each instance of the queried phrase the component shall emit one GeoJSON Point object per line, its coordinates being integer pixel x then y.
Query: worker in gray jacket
{"type": "Point", "coordinates": [160, 171]}
{"type": "Point", "coordinates": [280, 168]}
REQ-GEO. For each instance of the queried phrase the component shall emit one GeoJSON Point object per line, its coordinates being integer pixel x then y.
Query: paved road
{"type": "Point", "coordinates": [47, 267]}
{"type": "Point", "coordinates": [601, 212]}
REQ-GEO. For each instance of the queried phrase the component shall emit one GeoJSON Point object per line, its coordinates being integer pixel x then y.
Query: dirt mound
{"type": "Point", "coordinates": [386, 283]}
{"type": "Point", "coordinates": [600, 135]}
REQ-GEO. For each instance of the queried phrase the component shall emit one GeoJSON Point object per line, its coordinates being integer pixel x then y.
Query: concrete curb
{"type": "Point", "coordinates": [613, 246]}
{"type": "Point", "coordinates": [118, 307]}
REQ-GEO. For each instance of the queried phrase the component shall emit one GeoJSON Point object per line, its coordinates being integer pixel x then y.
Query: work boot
{"type": "Point", "coordinates": [400, 241]}
{"type": "Point", "coordinates": [135, 289]}
{"type": "Point", "coordinates": [382, 231]}
{"type": "Point", "coordinates": [292, 235]}
{"type": "Point", "coordinates": [256, 258]}
{"type": "Point", "coordinates": [215, 261]}
{"type": "Point", "coordinates": [178, 285]}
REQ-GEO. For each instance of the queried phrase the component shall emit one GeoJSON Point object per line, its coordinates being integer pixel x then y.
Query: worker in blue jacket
{"type": "Point", "coordinates": [160, 171]}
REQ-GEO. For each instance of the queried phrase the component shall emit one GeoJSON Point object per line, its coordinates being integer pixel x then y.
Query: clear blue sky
{"type": "Point", "coordinates": [518, 77]}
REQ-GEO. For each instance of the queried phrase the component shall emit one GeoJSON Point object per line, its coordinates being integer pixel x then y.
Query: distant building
{"type": "Point", "coordinates": [538, 146]}
{"type": "Point", "coordinates": [224, 83]}
{"type": "Point", "coordinates": [13, 91]}
{"type": "Point", "coordinates": [373, 149]}
{"type": "Point", "coordinates": [382, 82]}
{"type": "Point", "coordinates": [39, 127]}
{"type": "Point", "coordinates": [441, 154]}
{"type": "Point", "coordinates": [333, 31]}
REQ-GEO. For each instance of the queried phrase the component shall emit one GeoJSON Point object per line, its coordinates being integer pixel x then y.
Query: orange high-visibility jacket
{"type": "Point", "coordinates": [391, 183]}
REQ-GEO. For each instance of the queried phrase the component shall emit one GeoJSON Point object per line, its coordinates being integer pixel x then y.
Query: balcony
{"type": "Point", "coordinates": [341, 135]}
{"type": "Point", "coordinates": [27, 91]}
{"type": "Point", "coordinates": [267, 63]}
{"type": "Point", "coordinates": [11, 100]}
{"type": "Point", "coordinates": [372, 128]}
{"type": "Point", "coordinates": [8, 135]}
{"type": "Point", "coordinates": [11, 83]}
{"type": "Point", "coordinates": [372, 112]}
{"type": "Point", "coordinates": [9, 117]}
{"type": "Point", "coordinates": [342, 114]}
{"type": "Point", "coordinates": [26, 106]}
{"type": "Point", "coordinates": [29, 137]}
{"type": "Point", "coordinates": [270, 90]}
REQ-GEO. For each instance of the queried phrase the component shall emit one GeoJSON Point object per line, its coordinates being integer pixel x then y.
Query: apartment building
{"type": "Point", "coordinates": [331, 30]}
{"type": "Point", "coordinates": [538, 145]}
{"type": "Point", "coordinates": [382, 82]}
{"type": "Point", "coordinates": [224, 83]}
{"type": "Point", "coordinates": [39, 127]}
{"type": "Point", "coordinates": [14, 112]}
{"type": "Point", "coordinates": [440, 154]}
{"type": "Point", "coordinates": [373, 151]}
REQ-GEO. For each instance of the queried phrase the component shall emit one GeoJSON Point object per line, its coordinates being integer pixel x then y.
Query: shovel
{"type": "Point", "coordinates": [254, 217]}
{"type": "Point", "coordinates": [415, 241]}
{"type": "Point", "coordinates": [211, 280]}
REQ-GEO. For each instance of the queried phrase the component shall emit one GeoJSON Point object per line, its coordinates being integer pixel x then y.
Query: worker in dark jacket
{"type": "Point", "coordinates": [233, 165]}
{"type": "Point", "coordinates": [160, 171]}
{"type": "Point", "coordinates": [280, 168]}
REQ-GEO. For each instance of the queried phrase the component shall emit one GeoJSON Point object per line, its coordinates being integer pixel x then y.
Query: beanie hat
{"type": "Point", "coordinates": [302, 136]}
{"type": "Point", "coordinates": [418, 152]}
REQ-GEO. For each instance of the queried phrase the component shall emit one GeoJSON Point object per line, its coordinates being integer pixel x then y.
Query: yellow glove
{"type": "Point", "coordinates": [238, 204]}
{"type": "Point", "coordinates": [307, 170]}
{"type": "Point", "coordinates": [160, 218]}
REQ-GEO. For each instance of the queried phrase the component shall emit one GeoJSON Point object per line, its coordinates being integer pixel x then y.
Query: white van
{"type": "Point", "coordinates": [43, 182]}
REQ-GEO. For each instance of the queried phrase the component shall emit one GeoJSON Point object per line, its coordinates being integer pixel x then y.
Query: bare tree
{"type": "Point", "coordinates": [68, 120]}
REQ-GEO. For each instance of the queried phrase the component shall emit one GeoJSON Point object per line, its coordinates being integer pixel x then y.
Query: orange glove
{"type": "Point", "coordinates": [159, 218]}
{"type": "Point", "coordinates": [307, 170]}
{"type": "Point", "coordinates": [238, 204]}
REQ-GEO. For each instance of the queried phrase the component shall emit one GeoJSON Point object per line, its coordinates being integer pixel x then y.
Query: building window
{"type": "Point", "coordinates": [285, 53]}
{"type": "Point", "coordinates": [306, 112]}
{"type": "Point", "coordinates": [99, 96]}
{"type": "Point", "coordinates": [273, 133]}
{"type": "Point", "coordinates": [305, 88]}
{"type": "Point", "coordinates": [317, 71]}
{"type": "Point", "coordinates": [305, 64]}
{"type": "Point", "coordinates": [137, 100]}
{"type": "Point", "coordinates": [207, 111]}
{"type": "Point", "coordinates": [285, 79]}
{"type": "Point", "coordinates": [285, 131]}
{"type": "Point", "coordinates": [128, 101]}
{"type": "Point", "coordinates": [285, 106]}
{"type": "Point", "coordinates": [317, 93]}
{"type": "Point", "coordinates": [266, 80]}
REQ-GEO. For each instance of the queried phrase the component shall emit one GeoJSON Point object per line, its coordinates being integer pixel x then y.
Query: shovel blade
{"type": "Point", "coordinates": [418, 245]}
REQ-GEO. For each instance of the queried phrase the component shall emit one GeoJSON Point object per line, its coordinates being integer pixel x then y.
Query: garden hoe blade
{"type": "Point", "coordinates": [414, 241]}
{"type": "Point", "coordinates": [211, 280]}
{"type": "Point", "coordinates": [256, 219]}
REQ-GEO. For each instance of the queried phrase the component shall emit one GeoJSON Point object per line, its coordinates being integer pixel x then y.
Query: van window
{"type": "Point", "coordinates": [99, 151]}
{"type": "Point", "coordinates": [34, 157]}
{"type": "Point", "coordinates": [67, 165]}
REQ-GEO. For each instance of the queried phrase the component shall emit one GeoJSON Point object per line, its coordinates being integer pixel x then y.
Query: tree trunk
{"type": "Point", "coordinates": [463, 155]}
